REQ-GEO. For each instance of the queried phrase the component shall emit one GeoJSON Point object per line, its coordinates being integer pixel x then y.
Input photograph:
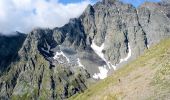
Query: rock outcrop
{"type": "Point", "coordinates": [58, 63]}
{"type": "Point", "coordinates": [9, 47]}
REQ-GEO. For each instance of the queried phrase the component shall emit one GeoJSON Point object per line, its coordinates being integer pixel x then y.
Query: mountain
{"type": "Point", "coordinates": [9, 47]}
{"type": "Point", "coordinates": [146, 78]}
{"type": "Point", "coordinates": [61, 62]}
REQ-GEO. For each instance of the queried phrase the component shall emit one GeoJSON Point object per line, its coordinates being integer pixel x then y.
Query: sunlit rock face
{"type": "Point", "coordinates": [58, 63]}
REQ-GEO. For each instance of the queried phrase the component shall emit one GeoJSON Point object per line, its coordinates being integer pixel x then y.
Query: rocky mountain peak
{"type": "Point", "coordinates": [58, 63]}
{"type": "Point", "coordinates": [149, 4]}
{"type": "Point", "coordinates": [109, 1]}
{"type": "Point", "coordinates": [89, 10]}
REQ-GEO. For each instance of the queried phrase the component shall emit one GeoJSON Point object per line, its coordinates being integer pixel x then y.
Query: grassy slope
{"type": "Point", "coordinates": [146, 78]}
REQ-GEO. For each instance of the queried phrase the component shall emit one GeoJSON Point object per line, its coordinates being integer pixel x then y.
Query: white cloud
{"type": "Point", "coordinates": [24, 15]}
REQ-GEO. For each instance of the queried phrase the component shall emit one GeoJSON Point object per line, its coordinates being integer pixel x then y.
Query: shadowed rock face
{"type": "Point", "coordinates": [9, 47]}
{"type": "Point", "coordinates": [58, 63]}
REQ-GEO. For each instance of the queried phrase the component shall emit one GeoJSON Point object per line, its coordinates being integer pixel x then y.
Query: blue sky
{"type": "Point", "coordinates": [24, 15]}
{"type": "Point", "coordinates": [74, 1]}
{"type": "Point", "coordinates": [69, 1]}
{"type": "Point", "coordinates": [136, 3]}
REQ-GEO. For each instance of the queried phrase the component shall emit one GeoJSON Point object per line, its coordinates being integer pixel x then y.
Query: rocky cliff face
{"type": "Point", "coordinates": [58, 63]}
{"type": "Point", "coordinates": [9, 47]}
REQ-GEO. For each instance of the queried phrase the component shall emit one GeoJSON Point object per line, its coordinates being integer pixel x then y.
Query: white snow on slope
{"type": "Point", "coordinates": [102, 74]}
{"type": "Point", "coordinates": [98, 51]}
{"type": "Point", "coordinates": [79, 63]}
{"type": "Point", "coordinates": [58, 54]}
{"type": "Point", "coordinates": [103, 70]}
{"type": "Point", "coordinates": [128, 56]}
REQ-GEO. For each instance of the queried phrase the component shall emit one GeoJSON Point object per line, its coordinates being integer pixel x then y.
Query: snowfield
{"type": "Point", "coordinates": [59, 54]}
{"type": "Point", "coordinates": [102, 74]}
{"type": "Point", "coordinates": [128, 56]}
{"type": "Point", "coordinates": [79, 63]}
{"type": "Point", "coordinates": [98, 50]}
{"type": "Point", "coordinates": [103, 70]}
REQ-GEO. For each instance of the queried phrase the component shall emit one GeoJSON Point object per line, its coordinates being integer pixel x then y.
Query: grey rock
{"type": "Point", "coordinates": [9, 47]}
{"type": "Point", "coordinates": [58, 63]}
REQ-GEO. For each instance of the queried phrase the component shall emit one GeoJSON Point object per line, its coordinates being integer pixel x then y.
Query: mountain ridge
{"type": "Point", "coordinates": [58, 63]}
{"type": "Point", "coordinates": [10, 46]}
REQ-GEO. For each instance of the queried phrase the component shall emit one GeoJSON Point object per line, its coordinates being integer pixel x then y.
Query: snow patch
{"type": "Point", "coordinates": [103, 70]}
{"type": "Point", "coordinates": [111, 65]}
{"type": "Point", "coordinates": [102, 74]}
{"type": "Point", "coordinates": [58, 54]}
{"type": "Point", "coordinates": [128, 56]}
{"type": "Point", "coordinates": [79, 63]}
{"type": "Point", "coordinates": [98, 50]}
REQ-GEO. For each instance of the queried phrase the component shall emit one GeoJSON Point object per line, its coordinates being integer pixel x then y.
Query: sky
{"type": "Point", "coordinates": [137, 3]}
{"type": "Point", "coordinates": [73, 1]}
{"type": "Point", "coordinates": [24, 15]}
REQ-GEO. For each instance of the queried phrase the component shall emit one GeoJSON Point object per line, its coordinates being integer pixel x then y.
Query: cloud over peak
{"type": "Point", "coordinates": [23, 15]}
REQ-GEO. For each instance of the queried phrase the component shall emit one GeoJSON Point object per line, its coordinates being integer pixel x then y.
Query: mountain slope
{"type": "Point", "coordinates": [9, 47]}
{"type": "Point", "coordinates": [37, 75]}
{"type": "Point", "coordinates": [61, 62]}
{"type": "Point", "coordinates": [146, 78]}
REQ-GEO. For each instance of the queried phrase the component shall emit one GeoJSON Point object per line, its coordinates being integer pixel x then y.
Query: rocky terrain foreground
{"type": "Point", "coordinates": [58, 63]}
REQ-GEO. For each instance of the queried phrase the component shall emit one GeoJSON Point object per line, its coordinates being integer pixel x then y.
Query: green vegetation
{"type": "Point", "coordinates": [23, 97]}
{"type": "Point", "coordinates": [148, 77]}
